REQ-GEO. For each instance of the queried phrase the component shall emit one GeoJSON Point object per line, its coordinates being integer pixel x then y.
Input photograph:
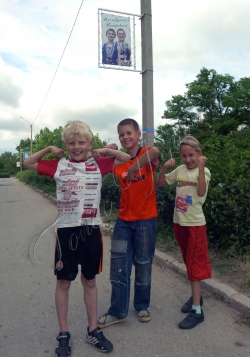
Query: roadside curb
{"type": "Point", "coordinates": [222, 291]}
{"type": "Point", "coordinates": [53, 199]}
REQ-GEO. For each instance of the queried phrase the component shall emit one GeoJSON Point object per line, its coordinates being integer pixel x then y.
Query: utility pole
{"type": "Point", "coordinates": [21, 164]}
{"type": "Point", "coordinates": [147, 73]}
{"type": "Point", "coordinates": [30, 134]}
{"type": "Point", "coordinates": [30, 139]}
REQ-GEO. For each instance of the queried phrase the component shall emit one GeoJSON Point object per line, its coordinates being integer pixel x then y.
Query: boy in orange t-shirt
{"type": "Point", "coordinates": [134, 235]}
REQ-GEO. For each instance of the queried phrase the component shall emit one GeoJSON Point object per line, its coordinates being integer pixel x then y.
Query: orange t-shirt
{"type": "Point", "coordinates": [138, 199]}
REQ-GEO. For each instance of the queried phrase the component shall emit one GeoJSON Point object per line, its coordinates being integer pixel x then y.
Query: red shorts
{"type": "Point", "coordinates": [193, 244]}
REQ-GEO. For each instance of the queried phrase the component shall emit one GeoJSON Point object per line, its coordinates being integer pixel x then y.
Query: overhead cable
{"type": "Point", "coordinates": [59, 63]}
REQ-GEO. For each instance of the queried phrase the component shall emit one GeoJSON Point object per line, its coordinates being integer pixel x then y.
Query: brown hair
{"type": "Point", "coordinates": [129, 121]}
{"type": "Point", "coordinates": [110, 30]}
{"type": "Point", "coordinates": [120, 30]}
{"type": "Point", "coordinates": [191, 141]}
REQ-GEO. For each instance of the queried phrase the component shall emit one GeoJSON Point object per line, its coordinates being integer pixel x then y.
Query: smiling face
{"type": "Point", "coordinates": [189, 156]}
{"type": "Point", "coordinates": [121, 35]}
{"type": "Point", "coordinates": [128, 137]}
{"type": "Point", "coordinates": [78, 147]}
{"type": "Point", "coordinates": [111, 35]}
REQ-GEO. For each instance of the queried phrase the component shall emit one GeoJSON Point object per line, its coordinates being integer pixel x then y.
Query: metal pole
{"type": "Point", "coordinates": [20, 159]}
{"type": "Point", "coordinates": [147, 73]}
{"type": "Point", "coordinates": [30, 139]}
{"type": "Point", "coordinates": [30, 134]}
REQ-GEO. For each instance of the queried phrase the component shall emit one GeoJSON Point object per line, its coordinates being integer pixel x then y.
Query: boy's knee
{"type": "Point", "coordinates": [143, 272]}
{"type": "Point", "coordinates": [63, 284]}
{"type": "Point", "coordinates": [88, 283]}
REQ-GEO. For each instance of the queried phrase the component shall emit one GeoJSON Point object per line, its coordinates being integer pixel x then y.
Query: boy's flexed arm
{"type": "Point", "coordinates": [161, 178]}
{"type": "Point", "coordinates": [202, 186]}
{"type": "Point", "coordinates": [31, 162]}
{"type": "Point", "coordinates": [146, 158]}
{"type": "Point", "coordinates": [121, 156]}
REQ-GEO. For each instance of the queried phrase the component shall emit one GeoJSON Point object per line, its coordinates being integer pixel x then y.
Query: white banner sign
{"type": "Point", "coordinates": [116, 40]}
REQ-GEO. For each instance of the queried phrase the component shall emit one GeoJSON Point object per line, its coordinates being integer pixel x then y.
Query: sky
{"type": "Point", "coordinates": [187, 36]}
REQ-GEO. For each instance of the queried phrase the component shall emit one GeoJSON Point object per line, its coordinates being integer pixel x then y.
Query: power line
{"type": "Point", "coordinates": [59, 62]}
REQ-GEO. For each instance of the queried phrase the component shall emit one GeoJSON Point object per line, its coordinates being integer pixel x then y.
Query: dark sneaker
{"type": "Point", "coordinates": [63, 348]}
{"type": "Point", "coordinates": [188, 305]}
{"type": "Point", "coordinates": [107, 320]}
{"type": "Point", "coordinates": [144, 315]}
{"type": "Point", "coordinates": [191, 320]}
{"type": "Point", "coordinates": [98, 340]}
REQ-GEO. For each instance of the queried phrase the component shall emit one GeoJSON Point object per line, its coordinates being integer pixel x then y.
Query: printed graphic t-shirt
{"type": "Point", "coordinates": [78, 188]}
{"type": "Point", "coordinates": [188, 205]}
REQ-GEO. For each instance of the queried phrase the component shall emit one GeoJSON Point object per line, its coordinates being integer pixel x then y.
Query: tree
{"type": "Point", "coordinates": [97, 142]}
{"type": "Point", "coordinates": [24, 145]}
{"type": "Point", "coordinates": [47, 137]}
{"type": "Point", "coordinates": [8, 163]}
{"type": "Point", "coordinates": [213, 103]}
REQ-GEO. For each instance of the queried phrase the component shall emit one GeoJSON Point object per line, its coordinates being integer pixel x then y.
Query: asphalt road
{"type": "Point", "coordinates": [28, 322]}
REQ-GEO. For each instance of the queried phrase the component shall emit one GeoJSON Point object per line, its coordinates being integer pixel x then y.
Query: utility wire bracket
{"type": "Point", "coordinates": [144, 14]}
{"type": "Point", "coordinates": [146, 70]}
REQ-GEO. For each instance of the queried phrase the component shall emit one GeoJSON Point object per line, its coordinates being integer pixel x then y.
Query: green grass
{"type": "Point", "coordinates": [225, 267]}
{"type": "Point", "coordinates": [166, 241]}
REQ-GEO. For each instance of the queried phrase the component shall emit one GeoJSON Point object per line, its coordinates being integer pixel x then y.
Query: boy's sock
{"type": "Point", "coordinates": [197, 309]}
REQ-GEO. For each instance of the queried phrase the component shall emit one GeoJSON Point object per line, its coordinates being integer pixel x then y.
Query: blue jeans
{"type": "Point", "coordinates": [133, 242]}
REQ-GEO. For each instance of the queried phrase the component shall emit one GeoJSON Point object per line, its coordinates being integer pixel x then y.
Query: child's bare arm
{"type": "Point", "coordinates": [202, 186]}
{"type": "Point", "coordinates": [146, 158]}
{"type": "Point", "coordinates": [111, 146]}
{"type": "Point", "coordinates": [31, 162]}
{"type": "Point", "coordinates": [121, 156]}
{"type": "Point", "coordinates": [161, 178]}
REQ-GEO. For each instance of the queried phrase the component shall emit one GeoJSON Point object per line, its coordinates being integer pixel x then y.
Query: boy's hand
{"type": "Point", "coordinates": [111, 146]}
{"type": "Point", "coordinates": [131, 173]}
{"type": "Point", "coordinates": [202, 160]}
{"type": "Point", "coordinates": [99, 152]}
{"type": "Point", "coordinates": [59, 153]}
{"type": "Point", "coordinates": [170, 163]}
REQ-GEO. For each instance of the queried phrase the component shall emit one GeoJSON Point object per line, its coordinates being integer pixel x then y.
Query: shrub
{"type": "Point", "coordinates": [4, 174]}
{"type": "Point", "coordinates": [110, 191]}
{"type": "Point", "coordinates": [227, 208]}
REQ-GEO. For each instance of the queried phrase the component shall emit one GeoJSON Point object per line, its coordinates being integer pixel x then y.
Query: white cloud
{"type": "Point", "coordinates": [187, 35]}
{"type": "Point", "coordinates": [9, 92]}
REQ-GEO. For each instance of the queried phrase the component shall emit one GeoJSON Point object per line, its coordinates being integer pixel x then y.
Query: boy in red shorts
{"type": "Point", "coordinates": [79, 239]}
{"type": "Point", "coordinates": [191, 181]}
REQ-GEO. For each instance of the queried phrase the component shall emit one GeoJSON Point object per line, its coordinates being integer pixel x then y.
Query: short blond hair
{"type": "Point", "coordinates": [191, 141]}
{"type": "Point", "coordinates": [76, 127]}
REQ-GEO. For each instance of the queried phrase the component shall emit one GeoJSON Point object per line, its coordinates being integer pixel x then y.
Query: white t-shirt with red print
{"type": "Point", "coordinates": [78, 186]}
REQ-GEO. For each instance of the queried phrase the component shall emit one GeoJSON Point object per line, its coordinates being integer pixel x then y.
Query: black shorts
{"type": "Point", "coordinates": [75, 246]}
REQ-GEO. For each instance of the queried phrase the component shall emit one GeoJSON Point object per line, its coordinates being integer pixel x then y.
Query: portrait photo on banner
{"type": "Point", "coordinates": [116, 40]}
